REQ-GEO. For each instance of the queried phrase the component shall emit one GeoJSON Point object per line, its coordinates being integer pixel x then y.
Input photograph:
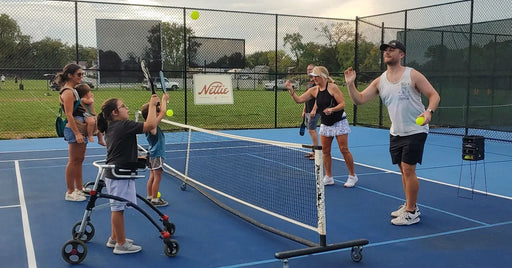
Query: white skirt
{"type": "Point", "coordinates": [339, 128]}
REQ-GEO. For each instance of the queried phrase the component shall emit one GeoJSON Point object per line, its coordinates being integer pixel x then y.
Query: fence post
{"type": "Point", "coordinates": [469, 67]}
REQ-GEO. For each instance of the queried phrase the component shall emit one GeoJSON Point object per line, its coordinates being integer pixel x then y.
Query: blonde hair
{"type": "Point", "coordinates": [322, 72]}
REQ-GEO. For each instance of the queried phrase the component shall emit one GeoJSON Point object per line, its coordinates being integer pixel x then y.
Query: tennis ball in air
{"type": "Point", "coordinates": [169, 112]}
{"type": "Point", "coordinates": [194, 15]}
{"type": "Point", "coordinates": [420, 120]}
{"type": "Point", "coordinates": [158, 195]}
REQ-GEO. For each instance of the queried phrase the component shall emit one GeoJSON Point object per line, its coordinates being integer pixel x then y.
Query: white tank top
{"type": "Point", "coordinates": [404, 104]}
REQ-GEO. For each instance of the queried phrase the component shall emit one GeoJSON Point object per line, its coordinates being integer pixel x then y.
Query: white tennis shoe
{"type": "Point", "coordinates": [75, 197]}
{"type": "Point", "coordinates": [351, 181]}
{"type": "Point", "coordinates": [406, 218]}
{"type": "Point", "coordinates": [126, 248]}
{"type": "Point", "coordinates": [328, 180]}
{"type": "Point", "coordinates": [401, 209]}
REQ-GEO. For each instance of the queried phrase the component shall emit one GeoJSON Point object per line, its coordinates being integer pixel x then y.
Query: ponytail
{"type": "Point", "coordinates": [102, 123]}
{"type": "Point", "coordinates": [62, 77]}
{"type": "Point", "coordinates": [105, 116]}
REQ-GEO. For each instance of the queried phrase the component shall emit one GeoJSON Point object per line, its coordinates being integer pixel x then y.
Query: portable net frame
{"type": "Point", "coordinates": [268, 177]}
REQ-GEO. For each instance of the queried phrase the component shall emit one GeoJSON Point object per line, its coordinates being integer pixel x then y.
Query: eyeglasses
{"type": "Point", "coordinates": [122, 106]}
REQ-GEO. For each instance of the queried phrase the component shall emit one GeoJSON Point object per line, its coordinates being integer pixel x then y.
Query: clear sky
{"type": "Point", "coordinates": [346, 9]}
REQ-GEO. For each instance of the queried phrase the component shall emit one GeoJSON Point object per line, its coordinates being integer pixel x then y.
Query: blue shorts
{"type": "Point", "coordinates": [121, 188]}
{"type": "Point", "coordinates": [69, 136]}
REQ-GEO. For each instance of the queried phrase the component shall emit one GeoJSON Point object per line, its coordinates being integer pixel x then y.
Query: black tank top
{"type": "Point", "coordinates": [78, 110]}
{"type": "Point", "coordinates": [325, 100]}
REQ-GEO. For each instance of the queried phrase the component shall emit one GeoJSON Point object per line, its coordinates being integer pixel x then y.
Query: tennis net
{"type": "Point", "coordinates": [270, 177]}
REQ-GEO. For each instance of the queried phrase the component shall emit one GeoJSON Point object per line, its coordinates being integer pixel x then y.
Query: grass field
{"type": "Point", "coordinates": [31, 113]}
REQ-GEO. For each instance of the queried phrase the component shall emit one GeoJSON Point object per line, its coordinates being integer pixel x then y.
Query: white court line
{"type": "Point", "coordinates": [31, 257]}
{"type": "Point", "coordinates": [11, 206]}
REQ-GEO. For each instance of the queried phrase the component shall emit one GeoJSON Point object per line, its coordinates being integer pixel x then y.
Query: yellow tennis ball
{"type": "Point", "coordinates": [169, 112]}
{"type": "Point", "coordinates": [420, 120]}
{"type": "Point", "coordinates": [194, 15]}
{"type": "Point", "coordinates": [158, 195]}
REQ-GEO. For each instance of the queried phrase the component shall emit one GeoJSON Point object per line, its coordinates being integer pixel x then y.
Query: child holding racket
{"type": "Point", "coordinates": [156, 140]}
{"type": "Point", "coordinates": [121, 138]}
{"type": "Point", "coordinates": [87, 100]}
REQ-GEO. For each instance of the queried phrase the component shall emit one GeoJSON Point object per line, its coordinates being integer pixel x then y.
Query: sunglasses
{"type": "Point", "coordinates": [79, 74]}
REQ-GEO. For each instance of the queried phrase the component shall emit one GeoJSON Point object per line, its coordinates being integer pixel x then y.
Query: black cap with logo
{"type": "Point", "coordinates": [393, 44]}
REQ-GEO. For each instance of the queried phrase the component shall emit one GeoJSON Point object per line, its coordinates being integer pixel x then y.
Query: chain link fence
{"type": "Point", "coordinates": [109, 41]}
{"type": "Point", "coordinates": [462, 48]}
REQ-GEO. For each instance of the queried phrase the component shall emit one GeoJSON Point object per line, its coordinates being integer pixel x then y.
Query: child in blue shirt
{"type": "Point", "coordinates": [156, 140]}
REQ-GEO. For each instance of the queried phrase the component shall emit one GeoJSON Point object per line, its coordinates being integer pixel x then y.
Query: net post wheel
{"type": "Point", "coordinates": [420, 120]}
{"type": "Point", "coordinates": [194, 15]}
{"type": "Point", "coordinates": [170, 112]}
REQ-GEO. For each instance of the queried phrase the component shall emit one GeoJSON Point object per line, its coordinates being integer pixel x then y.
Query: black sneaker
{"type": "Point", "coordinates": [159, 203]}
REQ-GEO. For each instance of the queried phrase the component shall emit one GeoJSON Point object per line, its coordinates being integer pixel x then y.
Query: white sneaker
{"type": "Point", "coordinates": [401, 209]}
{"type": "Point", "coordinates": [74, 197]}
{"type": "Point", "coordinates": [406, 218]}
{"type": "Point", "coordinates": [351, 181]}
{"type": "Point", "coordinates": [112, 243]}
{"type": "Point", "coordinates": [79, 192]}
{"type": "Point", "coordinates": [328, 180]}
{"type": "Point", "coordinates": [126, 248]}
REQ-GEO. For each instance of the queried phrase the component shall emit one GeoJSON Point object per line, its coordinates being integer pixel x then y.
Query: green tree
{"type": "Point", "coordinates": [258, 58]}
{"type": "Point", "coordinates": [296, 46]}
{"type": "Point", "coordinates": [284, 61]}
{"type": "Point", "coordinates": [369, 56]}
{"type": "Point", "coordinates": [336, 34]}
{"type": "Point", "coordinates": [14, 45]}
{"type": "Point", "coordinates": [88, 54]}
{"type": "Point", "coordinates": [310, 55]}
{"type": "Point", "coordinates": [173, 46]}
{"type": "Point", "coordinates": [51, 53]}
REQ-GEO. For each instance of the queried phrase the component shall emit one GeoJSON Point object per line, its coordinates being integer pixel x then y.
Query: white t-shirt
{"type": "Point", "coordinates": [404, 104]}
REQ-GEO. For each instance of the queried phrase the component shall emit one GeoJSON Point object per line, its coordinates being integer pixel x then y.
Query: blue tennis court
{"type": "Point", "coordinates": [466, 226]}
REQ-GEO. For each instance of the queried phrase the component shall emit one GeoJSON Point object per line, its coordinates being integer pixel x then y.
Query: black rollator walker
{"type": "Point", "coordinates": [74, 251]}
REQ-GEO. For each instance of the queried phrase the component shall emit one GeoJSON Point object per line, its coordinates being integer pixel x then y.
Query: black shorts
{"type": "Point", "coordinates": [407, 149]}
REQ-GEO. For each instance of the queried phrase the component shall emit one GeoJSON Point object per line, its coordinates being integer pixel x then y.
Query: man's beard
{"type": "Point", "coordinates": [391, 61]}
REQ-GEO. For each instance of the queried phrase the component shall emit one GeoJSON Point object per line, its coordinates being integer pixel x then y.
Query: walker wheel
{"type": "Point", "coordinates": [88, 232]}
{"type": "Point", "coordinates": [74, 251]}
{"type": "Point", "coordinates": [171, 247]}
{"type": "Point", "coordinates": [356, 253]}
{"type": "Point", "coordinates": [170, 227]}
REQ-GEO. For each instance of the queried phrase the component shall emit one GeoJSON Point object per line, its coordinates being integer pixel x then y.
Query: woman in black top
{"type": "Point", "coordinates": [331, 104]}
{"type": "Point", "coordinates": [71, 76]}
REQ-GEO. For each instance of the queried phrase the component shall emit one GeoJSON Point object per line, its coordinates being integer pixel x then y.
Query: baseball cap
{"type": "Point", "coordinates": [393, 44]}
